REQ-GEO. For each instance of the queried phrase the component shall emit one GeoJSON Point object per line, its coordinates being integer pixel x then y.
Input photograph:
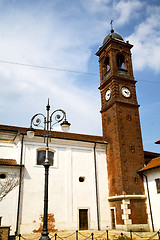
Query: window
{"type": "Point", "coordinates": [158, 184]}
{"type": "Point", "coordinates": [120, 62]}
{"type": "Point", "coordinates": [41, 155]}
{"type": "Point", "coordinates": [2, 175]}
{"type": "Point", "coordinates": [106, 63]}
{"type": "Point", "coordinates": [81, 179]}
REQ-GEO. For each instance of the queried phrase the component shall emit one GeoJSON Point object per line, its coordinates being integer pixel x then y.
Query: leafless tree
{"type": "Point", "coordinates": [8, 184]}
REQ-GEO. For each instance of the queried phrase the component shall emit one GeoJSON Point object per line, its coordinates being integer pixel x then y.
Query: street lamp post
{"type": "Point", "coordinates": [56, 116]}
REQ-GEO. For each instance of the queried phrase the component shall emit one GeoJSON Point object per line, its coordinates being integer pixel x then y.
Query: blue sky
{"type": "Point", "coordinates": [66, 34]}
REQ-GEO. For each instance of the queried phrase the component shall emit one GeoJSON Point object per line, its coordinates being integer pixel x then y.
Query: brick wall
{"type": "Point", "coordinates": [121, 128]}
{"type": "Point", "coordinates": [125, 151]}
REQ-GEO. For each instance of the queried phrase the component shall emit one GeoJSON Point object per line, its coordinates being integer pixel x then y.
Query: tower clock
{"type": "Point", "coordinates": [121, 128]}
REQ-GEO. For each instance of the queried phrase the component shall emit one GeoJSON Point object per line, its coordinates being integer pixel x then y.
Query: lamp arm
{"type": "Point", "coordinates": [35, 121]}
{"type": "Point", "coordinates": [59, 116]}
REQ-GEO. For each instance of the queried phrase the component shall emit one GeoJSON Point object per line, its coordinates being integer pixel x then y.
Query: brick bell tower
{"type": "Point", "coordinates": [121, 128]}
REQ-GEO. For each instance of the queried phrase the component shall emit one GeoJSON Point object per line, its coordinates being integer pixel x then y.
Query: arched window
{"type": "Point", "coordinates": [120, 61]}
{"type": "Point", "coordinates": [106, 65]}
{"type": "Point", "coordinates": [41, 155]}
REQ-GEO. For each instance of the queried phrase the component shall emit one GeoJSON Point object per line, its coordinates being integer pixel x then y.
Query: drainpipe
{"type": "Point", "coordinates": [96, 183]}
{"type": "Point", "coordinates": [149, 201]}
{"type": "Point", "coordinates": [20, 187]}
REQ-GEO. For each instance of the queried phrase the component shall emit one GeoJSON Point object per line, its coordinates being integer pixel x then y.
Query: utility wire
{"type": "Point", "coordinates": [49, 68]}
{"type": "Point", "coordinates": [60, 69]}
{"type": "Point", "coordinates": [146, 81]}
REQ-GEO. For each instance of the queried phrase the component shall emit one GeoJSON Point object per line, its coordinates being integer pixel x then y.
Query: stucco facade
{"type": "Point", "coordinates": [153, 197]}
{"type": "Point", "coordinates": [67, 195]}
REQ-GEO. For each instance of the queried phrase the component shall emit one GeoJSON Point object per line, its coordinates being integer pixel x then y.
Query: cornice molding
{"type": "Point", "coordinates": [121, 197]}
{"type": "Point", "coordinates": [120, 102]}
{"type": "Point", "coordinates": [118, 78]}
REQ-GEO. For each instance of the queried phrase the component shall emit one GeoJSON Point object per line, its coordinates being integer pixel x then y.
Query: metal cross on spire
{"type": "Point", "coordinates": [111, 26]}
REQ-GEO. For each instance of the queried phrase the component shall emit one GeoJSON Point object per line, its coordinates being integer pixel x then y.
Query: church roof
{"type": "Point", "coordinates": [54, 134]}
{"type": "Point", "coordinates": [158, 142]}
{"type": "Point", "coordinates": [7, 161]}
{"type": "Point", "coordinates": [154, 163]}
{"type": "Point", "coordinates": [112, 35]}
{"type": "Point", "coordinates": [151, 154]}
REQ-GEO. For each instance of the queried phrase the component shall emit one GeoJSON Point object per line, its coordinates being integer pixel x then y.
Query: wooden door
{"type": "Point", "coordinates": [83, 219]}
{"type": "Point", "coordinates": [113, 219]}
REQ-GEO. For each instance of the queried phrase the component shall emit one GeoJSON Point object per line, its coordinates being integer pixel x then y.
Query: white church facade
{"type": "Point", "coordinates": [77, 181]}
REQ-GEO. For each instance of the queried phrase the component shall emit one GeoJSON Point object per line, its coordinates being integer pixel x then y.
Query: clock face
{"type": "Point", "coordinates": [108, 94]}
{"type": "Point", "coordinates": [125, 92]}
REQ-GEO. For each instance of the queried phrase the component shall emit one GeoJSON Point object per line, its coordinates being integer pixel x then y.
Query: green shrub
{"type": "Point", "coordinates": [123, 237]}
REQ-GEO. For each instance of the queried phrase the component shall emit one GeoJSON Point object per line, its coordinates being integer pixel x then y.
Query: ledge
{"type": "Point", "coordinates": [121, 197]}
{"type": "Point", "coordinates": [119, 101]}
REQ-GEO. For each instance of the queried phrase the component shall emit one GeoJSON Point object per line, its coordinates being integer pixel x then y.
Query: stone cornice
{"type": "Point", "coordinates": [121, 197]}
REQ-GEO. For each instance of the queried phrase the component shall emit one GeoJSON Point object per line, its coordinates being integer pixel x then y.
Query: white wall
{"type": "Point", "coordinates": [8, 150]}
{"type": "Point", "coordinates": [154, 197]}
{"type": "Point", "coordinates": [66, 194]}
{"type": "Point", "coordinates": [8, 206]}
{"type": "Point", "coordinates": [103, 191]}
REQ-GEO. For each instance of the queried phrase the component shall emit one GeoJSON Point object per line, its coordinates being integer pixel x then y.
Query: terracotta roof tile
{"type": "Point", "coordinates": [154, 163]}
{"type": "Point", "coordinates": [7, 162]}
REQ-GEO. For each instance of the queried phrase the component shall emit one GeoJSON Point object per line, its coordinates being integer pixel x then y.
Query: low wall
{"type": "Point", "coordinates": [4, 233]}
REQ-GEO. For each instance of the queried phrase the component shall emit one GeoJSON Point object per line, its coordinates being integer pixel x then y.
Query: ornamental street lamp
{"type": "Point", "coordinates": [56, 116]}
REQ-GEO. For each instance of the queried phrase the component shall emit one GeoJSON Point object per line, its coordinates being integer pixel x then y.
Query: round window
{"type": "Point", "coordinates": [81, 179]}
{"type": "Point", "coordinates": [2, 175]}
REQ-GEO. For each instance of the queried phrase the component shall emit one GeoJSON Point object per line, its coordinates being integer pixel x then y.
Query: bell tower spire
{"type": "Point", "coordinates": [121, 128]}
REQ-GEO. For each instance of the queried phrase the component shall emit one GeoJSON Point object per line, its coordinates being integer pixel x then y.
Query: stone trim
{"type": "Point", "coordinates": [121, 197]}
{"type": "Point", "coordinates": [133, 227]}
{"type": "Point", "coordinates": [126, 211]}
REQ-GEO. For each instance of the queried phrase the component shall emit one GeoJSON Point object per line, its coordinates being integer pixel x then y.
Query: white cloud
{"type": "Point", "coordinates": [146, 40]}
{"type": "Point", "coordinates": [97, 6]}
{"type": "Point", "coordinates": [30, 37]}
{"type": "Point", "coordinates": [46, 34]}
{"type": "Point", "coordinates": [126, 10]}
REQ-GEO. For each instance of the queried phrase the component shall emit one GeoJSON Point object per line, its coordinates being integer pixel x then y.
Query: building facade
{"type": "Point", "coordinates": [77, 181]}
{"type": "Point", "coordinates": [94, 182]}
{"type": "Point", "coordinates": [151, 178]}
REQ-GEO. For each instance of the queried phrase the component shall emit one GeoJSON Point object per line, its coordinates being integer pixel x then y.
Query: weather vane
{"type": "Point", "coordinates": [111, 26]}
